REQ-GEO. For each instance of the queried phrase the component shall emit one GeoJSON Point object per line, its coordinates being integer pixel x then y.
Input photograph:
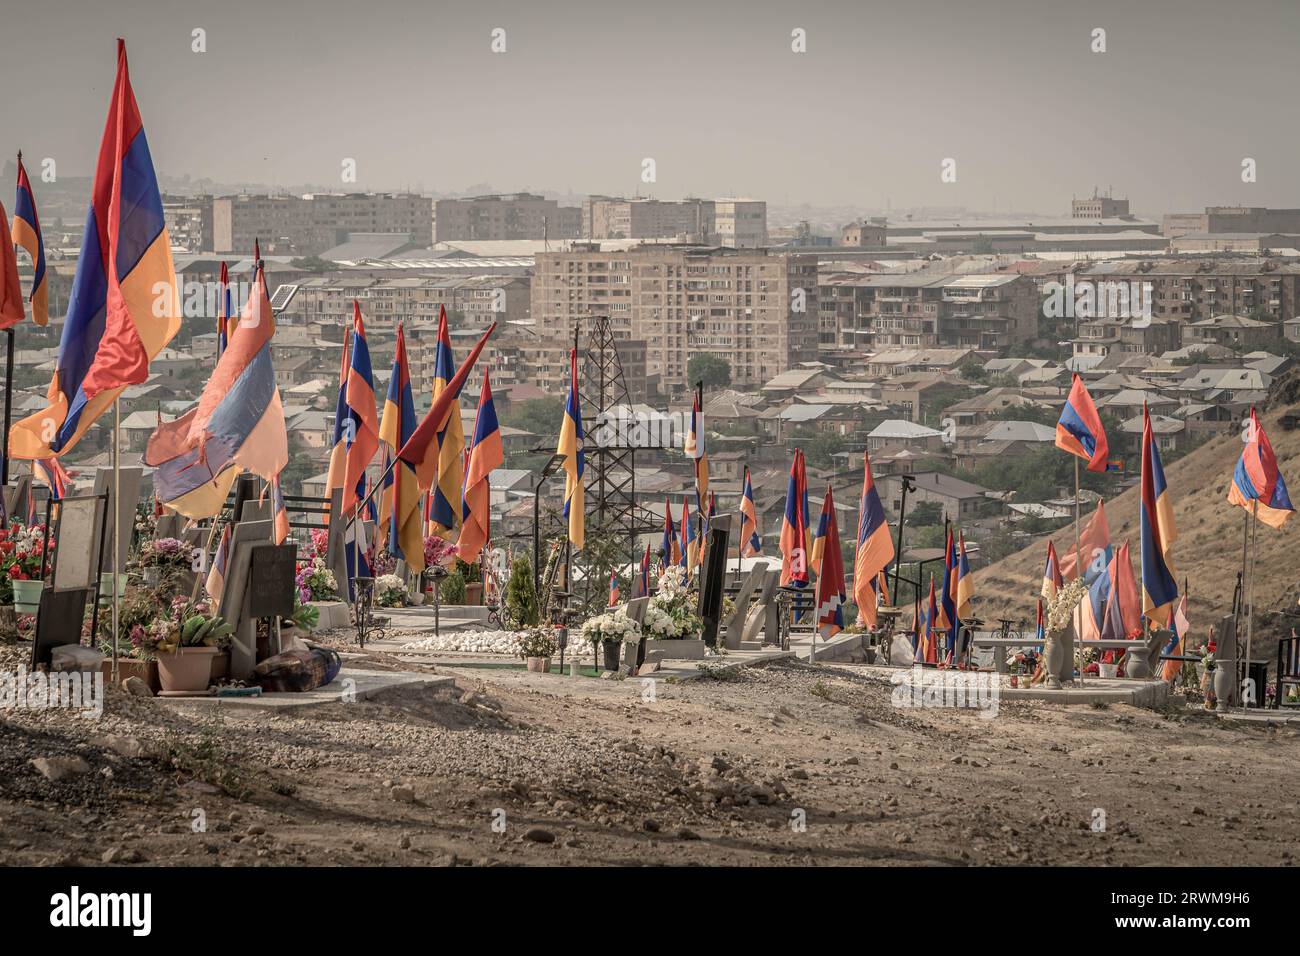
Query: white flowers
{"type": "Point", "coordinates": [611, 627]}
{"type": "Point", "coordinates": [668, 614]}
{"type": "Point", "coordinates": [1061, 611]}
{"type": "Point", "coordinates": [390, 590]}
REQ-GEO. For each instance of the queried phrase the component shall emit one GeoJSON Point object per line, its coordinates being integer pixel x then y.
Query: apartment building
{"type": "Point", "coordinates": [758, 310]}
{"type": "Point", "coordinates": [1193, 288]}
{"type": "Point", "coordinates": [927, 309]}
{"type": "Point", "coordinates": [189, 222]}
{"type": "Point", "coordinates": [734, 223]}
{"type": "Point", "coordinates": [472, 302]}
{"type": "Point", "coordinates": [503, 217]}
{"type": "Point", "coordinates": [309, 224]}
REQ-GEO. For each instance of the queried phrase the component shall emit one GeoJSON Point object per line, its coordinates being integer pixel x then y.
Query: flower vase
{"type": "Point", "coordinates": [27, 596]}
{"type": "Point", "coordinates": [609, 654]}
{"type": "Point", "coordinates": [1054, 658]}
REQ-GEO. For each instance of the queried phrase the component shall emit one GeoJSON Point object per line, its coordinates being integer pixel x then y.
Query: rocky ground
{"type": "Point", "coordinates": [783, 763]}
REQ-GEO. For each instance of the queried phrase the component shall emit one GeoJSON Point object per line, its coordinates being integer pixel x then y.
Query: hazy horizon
{"type": "Point", "coordinates": [711, 91]}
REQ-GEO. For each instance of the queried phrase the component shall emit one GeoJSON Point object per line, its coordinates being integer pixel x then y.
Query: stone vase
{"type": "Point", "coordinates": [1054, 658]}
{"type": "Point", "coordinates": [1225, 690]}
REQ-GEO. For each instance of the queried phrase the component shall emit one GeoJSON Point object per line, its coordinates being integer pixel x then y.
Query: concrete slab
{"type": "Point", "coordinates": [841, 647]}
{"type": "Point", "coordinates": [364, 684]}
{"type": "Point", "coordinates": [683, 670]}
{"type": "Point", "coordinates": [1139, 693]}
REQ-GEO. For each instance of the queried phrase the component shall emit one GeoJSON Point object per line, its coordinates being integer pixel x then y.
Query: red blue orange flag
{"type": "Point", "coordinates": [690, 545]}
{"type": "Point", "coordinates": [279, 514]}
{"type": "Point", "coordinates": [830, 576]}
{"type": "Point", "coordinates": [445, 474]}
{"type": "Point", "coordinates": [27, 233]}
{"type": "Point", "coordinates": [422, 446]}
{"type": "Point", "coordinates": [933, 628]}
{"type": "Point", "coordinates": [751, 541]}
{"type": "Point", "coordinates": [400, 497]}
{"type": "Point", "coordinates": [485, 454]}
{"type": "Point", "coordinates": [361, 426]}
{"type": "Point", "coordinates": [1257, 484]}
{"type": "Point", "coordinates": [1079, 429]}
{"type": "Point", "coordinates": [1094, 548]}
{"type": "Point", "coordinates": [643, 578]}
{"type": "Point", "coordinates": [819, 539]}
{"type": "Point", "coordinates": [1156, 521]}
{"type": "Point", "coordinates": [338, 460]}
{"type": "Point", "coordinates": [51, 472]}
{"type": "Point", "coordinates": [238, 424]}
{"type": "Point", "coordinates": [124, 306]}
{"type": "Point", "coordinates": [794, 527]}
{"type": "Point", "coordinates": [875, 549]}
{"type": "Point", "coordinates": [672, 551]}
{"type": "Point", "coordinates": [1052, 580]}
{"type": "Point", "coordinates": [694, 448]}
{"type": "Point", "coordinates": [571, 446]}
{"type": "Point", "coordinates": [225, 313]}
{"type": "Point", "coordinates": [216, 579]}
{"type": "Point", "coordinates": [12, 310]}
{"type": "Point", "coordinates": [946, 622]}
{"type": "Point", "coordinates": [613, 588]}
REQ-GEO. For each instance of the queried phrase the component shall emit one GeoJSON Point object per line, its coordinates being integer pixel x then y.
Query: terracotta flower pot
{"type": "Point", "coordinates": [539, 665]}
{"type": "Point", "coordinates": [187, 670]}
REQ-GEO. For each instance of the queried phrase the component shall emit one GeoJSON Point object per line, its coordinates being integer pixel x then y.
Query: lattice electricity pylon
{"type": "Point", "coordinates": [611, 467]}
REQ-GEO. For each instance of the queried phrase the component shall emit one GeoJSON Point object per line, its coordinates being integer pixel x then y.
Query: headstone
{"type": "Point", "coordinates": [76, 542]}
{"type": "Point", "coordinates": [170, 526]}
{"type": "Point", "coordinates": [771, 608]}
{"type": "Point", "coordinates": [123, 511]}
{"type": "Point", "coordinates": [16, 495]}
{"type": "Point", "coordinates": [59, 620]}
{"type": "Point", "coordinates": [712, 577]}
{"type": "Point", "coordinates": [234, 596]}
{"type": "Point", "coordinates": [634, 651]}
{"type": "Point", "coordinates": [335, 558]}
{"type": "Point", "coordinates": [750, 585]}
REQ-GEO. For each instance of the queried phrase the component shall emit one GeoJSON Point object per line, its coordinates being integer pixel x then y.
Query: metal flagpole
{"type": "Point", "coordinates": [1258, 692]}
{"type": "Point", "coordinates": [1078, 570]}
{"type": "Point", "coordinates": [9, 391]}
{"type": "Point", "coordinates": [117, 522]}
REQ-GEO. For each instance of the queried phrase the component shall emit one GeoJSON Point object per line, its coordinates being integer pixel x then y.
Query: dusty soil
{"type": "Point", "coordinates": [586, 771]}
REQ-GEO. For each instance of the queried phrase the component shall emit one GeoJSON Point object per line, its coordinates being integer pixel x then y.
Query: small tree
{"type": "Point", "coordinates": [521, 593]}
{"type": "Point", "coordinates": [712, 370]}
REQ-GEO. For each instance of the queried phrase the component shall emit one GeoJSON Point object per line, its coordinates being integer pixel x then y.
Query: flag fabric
{"type": "Point", "coordinates": [830, 574]}
{"type": "Point", "coordinates": [819, 539]}
{"type": "Point", "coordinates": [933, 628]}
{"type": "Point", "coordinates": [751, 541]}
{"type": "Point", "coordinates": [124, 306]}
{"type": "Point", "coordinates": [690, 543]}
{"type": "Point", "coordinates": [1094, 548]}
{"type": "Point", "coordinates": [1121, 618]}
{"type": "Point", "coordinates": [706, 524]}
{"type": "Point", "coordinates": [27, 233]}
{"type": "Point", "coordinates": [571, 447]}
{"type": "Point", "coordinates": [881, 587]}
{"type": "Point", "coordinates": [338, 445]}
{"type": "Point", "coordinates": [485, 454]}
{"type": "Point", "coordinates": [672, 551]}
{"type": "Point", "coordinates": [794, 527]}
{"type": "Point", "coordinates": [613, 588]}
{"type": "Point", "coordinates": [53, 475]}
{"type": "Point", "coordinates": [445, 475]}
{"type": "Point", "coordinates": [965, 592]}
{"type": "Point", "coordinates": [947, 619]}
{"type": "Point", "coordinates": [238, 424]}
{"type": "Point", "coordinates": [225, 311]}
{"type": "Point", "coordinates": [1052, 580]}
{"type": "Point", "coordinates": [1159, 587]}
{"type": "Point", "coordinates": [399, 506]}
{"type": "Point", "coordinates": [875, 549]}
{"type": "Point", "coordinates": [694, 448]}
{"type": "Point", "coordinates": [1257, 484]}
{"type": "Point", "coordinates": [421, 449]}
{"type": "Point", "coordinates": [1040, 626]}
{"type": "Point", "coordinates": [361, 426]}
{"type": "Point", "coordinates": [216, 580]}
{"type": "Point", "coordinates": [12, 310]}
{"type": "Point", "coordinates": [279, 514]}
{"type": "Point", "coordinates": [642, 588]}
{"type": "Point", "coordinates": [1079, 429]}
{"type": "Point", "coordinates": [1179, 626]}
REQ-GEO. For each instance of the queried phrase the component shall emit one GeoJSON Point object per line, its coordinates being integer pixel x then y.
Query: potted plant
{"type": "Point", "coordinates": [185, 643]}
{"type": "Point", "coordinates": [536, 646]}
{"type": "Point", "coordinates": [160, 557]}
{"type": "Point", "coordinates": [610, 630]}
{"type": "Point", "coordinates": [21, 550]}
{"type": "Point", "coordinates": [671, 620]}
{"type": "Point", "coordinates": [390, 591]}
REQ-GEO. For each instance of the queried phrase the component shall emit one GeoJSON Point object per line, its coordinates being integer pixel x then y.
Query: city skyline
{"type": "Point", "coordinates": [584, 93]}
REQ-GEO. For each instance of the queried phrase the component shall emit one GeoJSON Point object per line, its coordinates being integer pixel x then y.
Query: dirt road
{"type": "Point", "coordinates": [784, 763]}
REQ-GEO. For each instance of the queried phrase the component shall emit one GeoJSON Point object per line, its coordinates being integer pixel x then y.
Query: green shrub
{"type": "Point", "coordinates": [521, 594]}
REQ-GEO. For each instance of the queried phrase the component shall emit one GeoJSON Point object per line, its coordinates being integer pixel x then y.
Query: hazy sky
{"type": "Point", "coordinates": [708, 88]}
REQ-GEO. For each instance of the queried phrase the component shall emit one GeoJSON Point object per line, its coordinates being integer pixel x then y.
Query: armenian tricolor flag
{"type": "Point", "coordinates": [694, 447]}
{"type": "Point", "coordinates": [642, 588]}
{"type": "Point", "coordinates": [361, 426]}
{"type": "Point", "coordinates": [875, 547]}
{"type": "Point", "coordinates": [946, 623]}
{"type": "Point", "coordinates": [225, 316]}
{"type": "Point", "coordinates": [400, 498]}
{"type": "Point", "coordinates": [51, 472]}
{"type": "Point", "coordinates": [1052, 580]}
{"type": "Point", "coordinates": [819, 539]}
{"type": "Point", "coordinates": [1094, 548]}
{"type": "Point", "coordinates": [690, 544]}
{"type": "Point", "coordinates": [965, 592]}
{"type": "Point", "coordinates": [794, 527]}
{"type": "Point", "coordinates": [613, 589]}
{"type": "Point", "coordinates": [279, 514]}
{"type": "Point", "coordinates": [830, 574]}
{"type": "Point", "coordinates": [445, 474]}
{"type": "Point", "coordinates": [751, 542]}
{"type": "Point", "coordinates": [12, 310]}
{"type": "Point", "coordinates": [1156, 514]}
{"type": "Point", "coordinates": [1257, 484]}
{"type": "Point", "coordinates": [27, 233]}
{"type": "Point", "coordinates": [672, 551]}
{"type": "Point", "coordinates": [216, 579]}
{"type": "Point", "coordinates": [485, 454]}
{"type": "Point", "coordinates": [1040, 625]}
{"type": "Point", "coordinates": [1180, 626]}
{"type": "Point", "coordinates": [124, 307]}
{"type": "Point", "coordinates": [237, 426]}
{"type": "Point", "coordinates": [575, 458]}
{"type": "Point", "coordinates": [933, 628]}
{"type": "Point", "coordinates": [339, 445]}
{"type": "Point", "coordinates": [1079, 429]}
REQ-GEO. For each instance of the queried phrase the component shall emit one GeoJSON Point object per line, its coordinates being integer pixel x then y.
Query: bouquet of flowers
{"type": "Point", "coordinates": [390, 591]}
{"type": "Point", "coordinates": [21, 550]}
{"type": "Point", "coordinates": [537, 642]}
{"type": "Point", "coordinates": [316, 582]}
{"type": "Point", "coordinates": [438, 552]}
{"type": "Point", "coordinates": [612, 627]}
{"type": "Point", "coordinates": [669, 615]}
{"type": "Point", "coordinates": [1060, 612]}
{"type": "Point", "coordinates": [165, 553]}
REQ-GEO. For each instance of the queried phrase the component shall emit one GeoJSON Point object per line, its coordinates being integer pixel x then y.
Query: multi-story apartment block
{"type": "Point", "coordinates": [189, 222]}
{"type": "Point", "coordinates": [925, 309]}
{"type": "Point", "coordinates": [1099, 337]}
{"type": "Point", "coordinates": [502, 217]}
{"type": "Point", "coordinates": [734, 223]}
{"type": "Point", "coordinates": [472, 302]}
{"type": "Point", "coordinates": [310, 224]}
{"type": "Point", "coordinates": [1200, 287]}
{"type": "Point", "coordinates": [758, 310]}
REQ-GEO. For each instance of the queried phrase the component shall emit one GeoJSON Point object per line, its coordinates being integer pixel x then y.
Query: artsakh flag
{"type": "Point", "coordinates": [27, 233]}
{"type": "Point", "coordinates": [1079, 429]}
{"type": "Point", "coordinates": [1257, 484]}
{"type": "Point", "coordinates": [124, 307]}
{"type": "Point", "coordinates": [830, 575]}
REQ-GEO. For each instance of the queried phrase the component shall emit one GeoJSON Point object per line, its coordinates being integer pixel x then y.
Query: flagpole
{"type": "Point", "coordinates": [117, 522]}
{"type": "Point", "coordinates": [9, 391]}
{"type": "Point", "coordinates": [1078, 570]}
{"type": "Point", "coordinates": [1250, 607]}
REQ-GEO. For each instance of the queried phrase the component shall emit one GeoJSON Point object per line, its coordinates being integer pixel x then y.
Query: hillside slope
{"type": "Point", "coordinates": [1207, 551]}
